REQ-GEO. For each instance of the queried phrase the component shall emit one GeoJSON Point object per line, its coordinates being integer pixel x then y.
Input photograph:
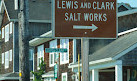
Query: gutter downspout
{"type": "Point", "coordinates": [33, 62]}
{"type": "Point", "coordinates": [13, 46]}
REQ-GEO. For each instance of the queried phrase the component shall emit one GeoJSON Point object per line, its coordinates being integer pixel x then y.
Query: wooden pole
{"type": "Point", "coordinates": [85, 59]}
{"type": "Point", "coordinates": [79, 66]}
{"type": "Point", "coordinates": [24, 40]}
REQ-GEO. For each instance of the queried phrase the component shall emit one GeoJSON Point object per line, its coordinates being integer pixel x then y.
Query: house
{"type": "Point", "coordinates": [117, 60]}
{"type": "Point", "coordinates": [100, 54]}
{"type": "Point", "coordinates": [50, 58]}
{"type": "Point", "coordinates": [38, 24]}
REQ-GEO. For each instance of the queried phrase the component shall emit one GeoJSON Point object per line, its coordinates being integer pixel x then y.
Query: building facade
{"type": "Point", "coordinates": [38, 24]}
{"type": "Point", "coordinates": [101, 69]}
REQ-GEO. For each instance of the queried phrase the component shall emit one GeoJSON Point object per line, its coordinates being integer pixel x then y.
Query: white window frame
{"type": "Point", "coordinates": [64, 74]}
{"type": "Point", "coordinates": [11, 27]}
{"type": "Point", "coordinates": [3, 58]}
{"type": "Point", "coordinates": [49, 79]}
{"type": "Point", "coordinates": [7, 33]}
{"type": "Point", "coordinates": [3, 32]}
{"type": "Point", "coordinates": [40, 54]}
{"type": "Point", "coordinates": [6, 59]}
{"type": "Point", "coordinates": [53, 44]}
{"type": "Point", "coordinates": [10, 55]}
{"type": "Point", "coordinates": [65, 44]}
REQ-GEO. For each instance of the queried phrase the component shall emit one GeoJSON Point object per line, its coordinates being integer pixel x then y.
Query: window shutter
{"type": "Point", "coordinates": [3, 32]}
{"type": "Point", "coordinates": [11, 26]}
{"type": "Point", "coordinates": [67, 46]}
{"type": "Point", "coordinates": [10, 55]}
{"type": "Point", "coordinates": [2, 58]}
{"type": "Point", "coordinates": [62, 46]}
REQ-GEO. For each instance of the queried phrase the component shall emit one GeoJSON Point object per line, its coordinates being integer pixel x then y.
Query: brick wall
{"type": "Point", "coordinates": [62, 68]}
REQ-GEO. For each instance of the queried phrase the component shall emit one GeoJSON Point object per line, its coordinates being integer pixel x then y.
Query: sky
{"type": "Point", "coordinates": [133, 3]}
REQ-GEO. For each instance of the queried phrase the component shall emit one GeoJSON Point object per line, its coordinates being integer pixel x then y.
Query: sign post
{"type": "Point", "coordinates": [85, 59]}
{"type": "Point", "coordinates": [84, 19]}
{"type": "Point", "coordinates": [55, 70]}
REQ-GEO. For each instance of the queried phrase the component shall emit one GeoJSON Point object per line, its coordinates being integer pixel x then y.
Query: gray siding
{"type": "Point", "coordinates": [130, 59]}
{"type": "Point", "coordinates": [37, 29]}
{"type": "Point", "coordinates": [127, 22]}
{"type": "Point", "coordinates": [94, 45]}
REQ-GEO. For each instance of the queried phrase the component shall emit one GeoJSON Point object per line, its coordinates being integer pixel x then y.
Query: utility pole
{"type": "Point", "coordinates": [23, 17]}
{"type": "Point", "coordinates": [79, 77]}
{"type": "Point", "coordinates": [85, 59]}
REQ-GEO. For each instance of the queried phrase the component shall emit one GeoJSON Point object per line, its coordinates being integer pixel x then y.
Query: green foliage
{"type": "Point", "coordinates": [38, 74]}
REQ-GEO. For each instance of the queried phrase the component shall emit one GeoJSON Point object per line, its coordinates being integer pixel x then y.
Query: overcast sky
{"type": "Point", "coordinates": [133, 3]}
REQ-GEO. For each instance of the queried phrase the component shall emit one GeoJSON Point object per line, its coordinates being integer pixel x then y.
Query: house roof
{"type": "Point", "coordinates": [10, 76]}
{"type": "Point", "coordinates": [126, 5]}
{"type": "Point", "coordinates": [128, 12]}
{"type": "Point", "coordinates": [38, 9]}
{"type": "Point", "coordinates": [114, 50]}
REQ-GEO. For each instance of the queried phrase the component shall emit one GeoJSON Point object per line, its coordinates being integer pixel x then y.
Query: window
{"type": "Point", "coordinates": [52, 56]}
{"type": "Point", "coordinates": [31, 54]}
{"type": "Point", "coordinates": [6, 59]}
{"type": "Point", "coordinates": [40, 54]}
{"type": "Point", "coordinates": [7, 33]}
{"type": "Point", "coordinates": [2, 58]}
{"type": "Point", "coordinates": [11, 26]}
{"type": "Point", "coordinates": [64, 57]}
{"type": "Point", "coordinates": [64, 76]}
{"type": "Point", "coordinates": [10, 54]}
{"type": "Point", "coordinates": [2, 32]}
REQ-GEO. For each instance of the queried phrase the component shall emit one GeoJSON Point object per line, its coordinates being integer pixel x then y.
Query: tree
{"type": "Point", "coordinates": [38, 74]}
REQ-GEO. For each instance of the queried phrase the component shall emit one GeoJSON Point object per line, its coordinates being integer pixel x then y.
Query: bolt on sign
{"type": "Point", "coordinates": [84, 18]}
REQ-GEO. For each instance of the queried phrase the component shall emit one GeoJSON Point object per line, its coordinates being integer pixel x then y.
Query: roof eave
{"type": "Point", "coordinates": [6, 10]}
{"type": "Point", "coordinates": [128, 12]}
{"type": "Point", "coordinates": [41, 39]}
{"type": "Point", "coordinates": [130, 48]}
{"type": "Point", "coordinates": [93, 62]}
